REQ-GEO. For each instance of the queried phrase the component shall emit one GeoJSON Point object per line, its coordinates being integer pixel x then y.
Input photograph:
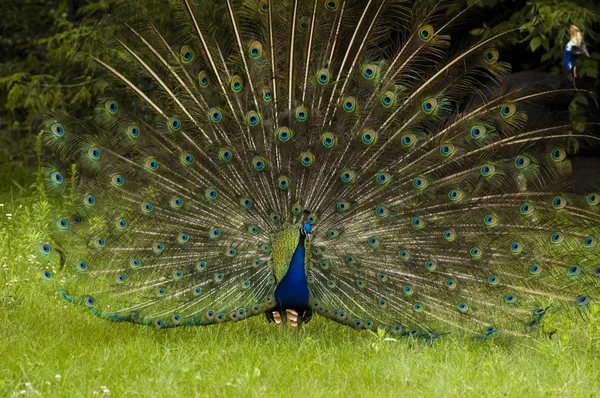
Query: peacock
{"type": "Point", "coordinates": [336, 158]}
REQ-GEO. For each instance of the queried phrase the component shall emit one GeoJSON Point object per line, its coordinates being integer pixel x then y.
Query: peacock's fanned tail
{"type": "Point", "coordinates": [430, 176]}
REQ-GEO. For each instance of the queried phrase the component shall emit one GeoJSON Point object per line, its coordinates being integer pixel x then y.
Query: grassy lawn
{"type": "Point", "coordinates": [51, 348]}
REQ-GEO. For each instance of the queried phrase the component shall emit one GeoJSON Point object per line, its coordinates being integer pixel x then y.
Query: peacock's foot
{"type": "Point", "coordinates": [291, 315]}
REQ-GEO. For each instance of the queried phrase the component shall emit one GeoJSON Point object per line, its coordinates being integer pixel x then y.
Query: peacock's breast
{"type": "Point", "coordinates": [288, 259]}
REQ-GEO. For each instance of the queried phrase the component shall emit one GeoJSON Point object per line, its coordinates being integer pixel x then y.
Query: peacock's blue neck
{"type": "Point", "coordinates": [292, 290]}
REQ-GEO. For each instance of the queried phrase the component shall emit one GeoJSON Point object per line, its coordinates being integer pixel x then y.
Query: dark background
{"type": "Point", "coordinates": [42, 67]}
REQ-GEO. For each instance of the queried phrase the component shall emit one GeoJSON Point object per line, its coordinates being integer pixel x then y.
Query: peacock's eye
{"type": "Point", "coordinates": [111, 106]}
{"type": "Point", "coordinates": [187, 54]}
{"type": "Point", "coordinates": [332, 4]}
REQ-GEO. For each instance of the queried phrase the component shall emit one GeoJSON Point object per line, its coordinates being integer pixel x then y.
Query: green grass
{"type": "Point", "coordinates": [51, 348]}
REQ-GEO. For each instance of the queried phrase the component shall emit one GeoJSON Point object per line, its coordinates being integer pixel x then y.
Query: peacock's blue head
{"type": "Point", "coordinates": [307, 228]}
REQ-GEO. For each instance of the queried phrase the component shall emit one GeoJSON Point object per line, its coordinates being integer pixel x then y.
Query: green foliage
{"type": "Point", "coordinates": [40, 70]}
{"type": "Point", "coordinates": [547, 36]}
{"type": "Point", "coordinates": [544, 28]}
{"type": "Point", "coordinates": [550, 35]}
